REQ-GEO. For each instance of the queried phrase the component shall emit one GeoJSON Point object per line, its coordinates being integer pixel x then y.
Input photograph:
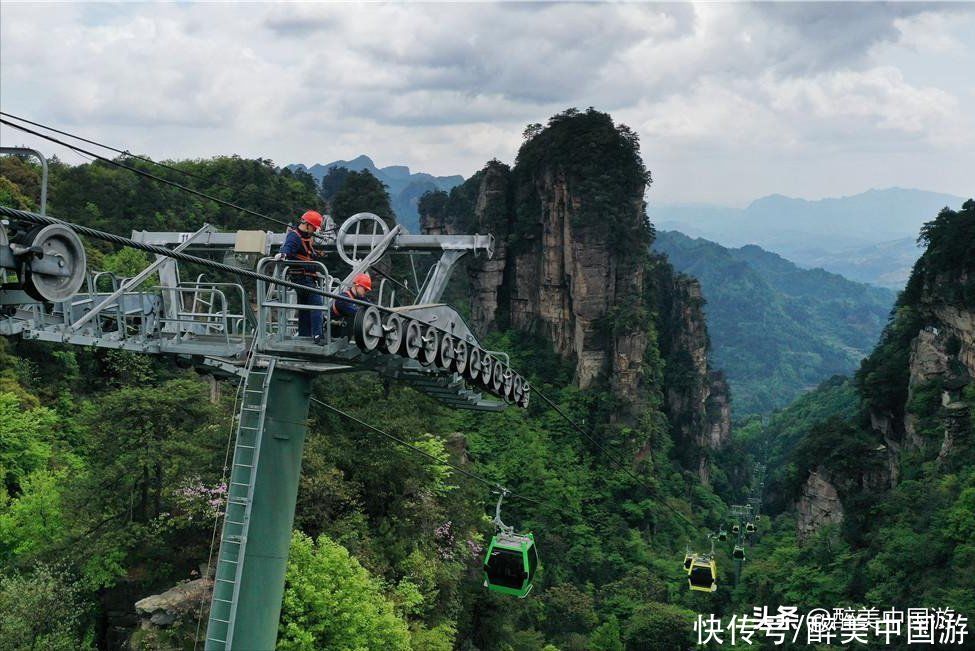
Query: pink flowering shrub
{"type": "Point", "coordinates": [195, 501]}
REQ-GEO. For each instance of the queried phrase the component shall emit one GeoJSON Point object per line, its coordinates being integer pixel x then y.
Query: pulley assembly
{"type": "Point", "coordinates": [402, 335]}
{"type": "Point", "coordinates": [49, 261]}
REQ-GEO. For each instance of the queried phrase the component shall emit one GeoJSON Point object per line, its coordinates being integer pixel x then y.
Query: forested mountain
{"type": "Point", "coordinates": [405, 187]}
{"type": "Point", "coordinates": [112, 461]}
{"type": "Point", "coordinates": [882, 470]}
{"type": "Point", "coordinates": [867, 237]}
{"type": "Point", "coordinates": [777, 330]}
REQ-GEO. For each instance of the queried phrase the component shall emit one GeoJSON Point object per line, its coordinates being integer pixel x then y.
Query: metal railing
{"type": "Point", "coordinates": [213, 318]}
{"type": "Point", "coordinates": [278, 307]}
{"type": "Point", "coordinates": [137, 318]}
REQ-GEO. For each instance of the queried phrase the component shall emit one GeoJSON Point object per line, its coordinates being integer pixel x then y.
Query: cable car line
{"type": "Point", "coordinates": [124, 152]}
{"type": "Point", "coordinates": [526, 545]}
{"type": "Point", "coordinates": [144, 174]}
{"type": "Point", "coordinates": [407, 444]}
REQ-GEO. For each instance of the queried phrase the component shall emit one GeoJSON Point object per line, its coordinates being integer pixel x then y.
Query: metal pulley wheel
{"type": "Point", "coordinates": [368, 329]}
{"type": "Point", "coordinates": [497, 375]}
{"type": "Point", "coordinates": [360, 226]}
{"type": "Point", "coordinates": [412, 339]}
{"type": "Point", "coordinates": [507, 382]}
{"type": "Point", "coordinates": [525, 394]}
{"type": "Point", "coordinates": [58, 271]}
{"type": "Point", "coordinates": [430, 346]}
{"type": "Point", "coordinates": [473, 370]}
{"type": "Point", "coordinates": [487, 370]}
{"type": "Point", "coordinates": [517, 389]}
{"type": "Point", "coordinates": [460, 357]}
{"type": "Point", "coordinates": [393, 332]}
{"type": "Point", "coordinates": [445, 352]}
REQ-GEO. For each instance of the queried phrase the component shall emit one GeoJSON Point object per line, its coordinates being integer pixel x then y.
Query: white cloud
{"type": "Point", "coordinates": [445, 87]}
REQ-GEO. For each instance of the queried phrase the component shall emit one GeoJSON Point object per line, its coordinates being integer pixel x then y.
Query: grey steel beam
{"type": "Point", "coordinates": [403, 242]}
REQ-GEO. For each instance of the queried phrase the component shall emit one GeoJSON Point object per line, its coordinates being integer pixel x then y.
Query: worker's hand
{"type": "Point", "coordinates": [279, 257]}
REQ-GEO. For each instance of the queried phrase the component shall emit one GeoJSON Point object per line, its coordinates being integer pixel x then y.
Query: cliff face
{"type": "Point", "coordinates": [572, 265]}
{"type": "Point", "coordinates": [698, 400]}
{"type": "Point", "coordinates": [556, 277]}
{"type": "Point", "coordinates": [916, 386]}
{"type": "Point", "coordinates": [941, 365]}
{"type": "Point", "coordinates": [932, 422]}
{"type": "Point", "coordinates": [825, 496]}
{"type": "Point", "coordinates": [819, 505]}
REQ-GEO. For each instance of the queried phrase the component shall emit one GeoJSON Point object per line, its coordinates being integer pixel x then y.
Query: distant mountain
{"type": "Point", "coordinates": [777, 330]}
{"type": "Point", "coordinates": [868, 236]}
{"type": "Point", "coordinates": [405, 187]}
{"type": "Point", "coordinates": [887, 264]}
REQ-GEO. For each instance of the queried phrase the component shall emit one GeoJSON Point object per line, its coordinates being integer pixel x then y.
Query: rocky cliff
{"type": "Point", "coordinates": [698, 400]}
{"type": "Point", "coordinates": [819, 505]}
{"type": "Point", "coordinates": [572, 265]}
{"type": "Point", "coordinates": [917, 385]}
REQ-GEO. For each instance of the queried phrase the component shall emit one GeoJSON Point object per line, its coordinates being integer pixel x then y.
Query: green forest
{"type": "Point", "coordinates": [777, 330]}
{"type": "Point", "coordinates": [112, 462]}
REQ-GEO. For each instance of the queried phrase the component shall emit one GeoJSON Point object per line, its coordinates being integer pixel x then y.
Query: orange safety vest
{"type": "Point", "coordinates": [308, 253]}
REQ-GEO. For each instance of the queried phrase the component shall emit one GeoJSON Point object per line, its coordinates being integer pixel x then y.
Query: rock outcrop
{"type": "Point", "coordinates": [572, 266]}
{"type": "Point", "coordinates": [819, 505]}
{"type": "Point", "coordinates": [942, 355]}
{"type": "Point", "coordinates": [556, 278]}
{"type": "Point", "coordinates": [823, 493]}
{"type": "Point", "coordinates": [168, 620]}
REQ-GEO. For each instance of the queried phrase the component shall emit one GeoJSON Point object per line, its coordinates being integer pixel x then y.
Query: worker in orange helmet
{"type": "Point", "coordinates": [299, 245]}
{"type": "Point", "coordinates": [361, 285]}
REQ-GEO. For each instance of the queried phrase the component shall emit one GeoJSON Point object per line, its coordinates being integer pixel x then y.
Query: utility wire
{"type": "Point", "coordinates": [124, 152]}
{"type": "Point", "coordinates": [144, 174]}
{"type": "Point", "coordinates": [612, 458]}
{"type": "Point", "coordinates": [173, 168]}
{"type": "Point", "coordinates": [406, 444]}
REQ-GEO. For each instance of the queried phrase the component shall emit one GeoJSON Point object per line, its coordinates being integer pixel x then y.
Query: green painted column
{"type": "Point", "coordinates": [261, 586]}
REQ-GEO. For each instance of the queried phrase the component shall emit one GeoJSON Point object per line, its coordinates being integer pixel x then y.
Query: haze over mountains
{"type": "Point", "coordinates": [868, 237]}
{"type": "Point", "coordinates": [777, 330]}
{"type": "Point", "coordinates": [405, 187]}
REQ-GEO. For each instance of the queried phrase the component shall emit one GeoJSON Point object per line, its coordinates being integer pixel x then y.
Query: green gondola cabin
{"type": "Point", "coordinates": [510, 564]}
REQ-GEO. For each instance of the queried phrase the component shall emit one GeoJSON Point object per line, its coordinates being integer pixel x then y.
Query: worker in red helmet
{"type": "Point", "coordinates": [361, 285]}
{"type": "Point", "coordinates": [299, 245]}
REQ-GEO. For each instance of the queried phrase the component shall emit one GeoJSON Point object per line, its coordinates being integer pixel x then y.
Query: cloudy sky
{"type": "Point", "coordinates": [732, 101]}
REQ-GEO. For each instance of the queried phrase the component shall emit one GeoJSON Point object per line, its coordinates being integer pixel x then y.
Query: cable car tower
{"type": "Point", "coordinates": [248, 330]}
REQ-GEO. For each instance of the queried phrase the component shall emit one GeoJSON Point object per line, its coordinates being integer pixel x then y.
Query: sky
{"type": "Point", "coordinates": [732, 101]}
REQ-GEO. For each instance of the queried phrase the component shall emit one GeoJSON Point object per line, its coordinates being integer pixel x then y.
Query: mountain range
{"type": "Point", "coordinates": [777, 329]}
{"type": "Point", "coordinates": [405, 187]}
{"type": "Point", "coordinates": [868, 237]}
